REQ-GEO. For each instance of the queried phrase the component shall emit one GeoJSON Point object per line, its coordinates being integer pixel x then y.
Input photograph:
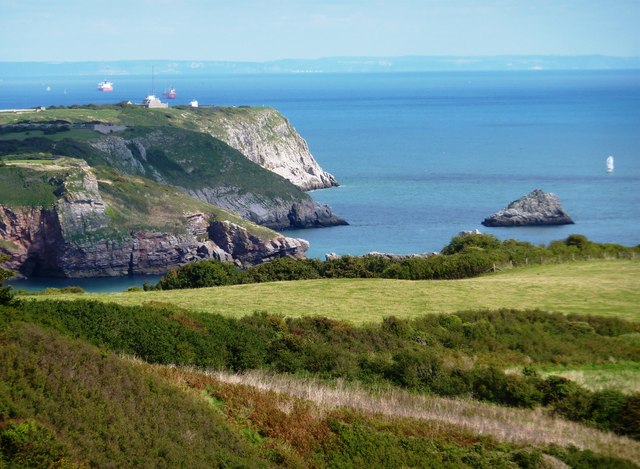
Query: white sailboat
{"type": "Point", "coordinates": [609, 164]}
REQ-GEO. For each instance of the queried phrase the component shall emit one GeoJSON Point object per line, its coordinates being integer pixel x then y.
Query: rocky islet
{"type": "Point", "coordinates": [538, 208]}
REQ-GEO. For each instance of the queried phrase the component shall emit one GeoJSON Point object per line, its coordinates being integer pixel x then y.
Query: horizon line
{"type": "Point", "coordinates": [329, 57]}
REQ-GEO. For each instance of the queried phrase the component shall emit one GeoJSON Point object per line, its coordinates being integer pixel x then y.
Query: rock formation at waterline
{"type": "Point", "coordinates": [534, 209]}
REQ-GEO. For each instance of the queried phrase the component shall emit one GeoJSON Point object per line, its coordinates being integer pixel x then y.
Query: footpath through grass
{"type": "Point", "coordinates": [603, 287]}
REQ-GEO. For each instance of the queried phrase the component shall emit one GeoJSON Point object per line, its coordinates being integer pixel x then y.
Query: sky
{"type": "Point", "coordinates": [263, 30]}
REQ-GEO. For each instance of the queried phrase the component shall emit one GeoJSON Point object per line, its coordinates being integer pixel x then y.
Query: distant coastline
{"type": "Point", "coordinates": [323, 65]}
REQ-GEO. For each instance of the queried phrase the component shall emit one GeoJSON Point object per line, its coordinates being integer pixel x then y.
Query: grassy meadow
{"type": "Point", "coordinates": [603, 287]}
{"type": "Point", "coordinates": [478, 389]}
{"type": "Point", "coordinates": [624, 376]}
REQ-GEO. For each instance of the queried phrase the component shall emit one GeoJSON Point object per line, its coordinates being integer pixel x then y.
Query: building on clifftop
{"type": "Point", "coordinates": [153, 102]}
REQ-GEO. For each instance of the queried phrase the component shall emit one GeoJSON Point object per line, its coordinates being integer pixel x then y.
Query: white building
{"type": "Point", "coordinates": [152, 101]}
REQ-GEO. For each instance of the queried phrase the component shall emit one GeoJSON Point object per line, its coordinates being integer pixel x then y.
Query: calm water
{"type": "Point", "coordinates": [422, 156]}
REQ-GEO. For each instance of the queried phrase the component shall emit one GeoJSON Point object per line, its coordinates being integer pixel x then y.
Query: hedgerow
{"type": "Point", "coordinates": [464, 257]}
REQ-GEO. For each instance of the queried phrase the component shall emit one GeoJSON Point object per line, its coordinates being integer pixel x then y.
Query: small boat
{"type": "Point", "coordinates": [105, 86]}
{"type": "Point", "coordinates": [609, 164]}
{"type": "Point", "coordinates": [170, 94]}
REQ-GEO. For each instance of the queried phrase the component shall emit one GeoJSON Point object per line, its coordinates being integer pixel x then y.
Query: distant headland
{"type": "Point", "coordinates": [325, 65]}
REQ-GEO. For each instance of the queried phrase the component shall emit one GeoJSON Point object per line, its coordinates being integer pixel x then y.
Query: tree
{"type": "Point", "coordinates": [6, 293]}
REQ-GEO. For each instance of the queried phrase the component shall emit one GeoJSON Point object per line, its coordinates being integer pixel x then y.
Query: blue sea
{"type": "Point", "coordinates": [422, 156]}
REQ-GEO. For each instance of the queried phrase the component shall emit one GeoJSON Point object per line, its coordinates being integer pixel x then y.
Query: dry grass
{"type": "Point", "coordinates": [518, 426]}
{"type": "Point", "coordinates": [603, 287]}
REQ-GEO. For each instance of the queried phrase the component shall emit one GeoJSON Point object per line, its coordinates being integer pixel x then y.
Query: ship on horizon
{"type": "Point", "coordinates": [105, 86]}
{"type": "Point", "coordinates": [170, 94]}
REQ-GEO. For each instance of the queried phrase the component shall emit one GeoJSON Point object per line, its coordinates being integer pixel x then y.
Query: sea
{"type": "Point", "coordinates": [423, 156]}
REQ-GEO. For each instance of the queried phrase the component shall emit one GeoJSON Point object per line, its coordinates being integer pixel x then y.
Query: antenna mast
{"type": "Point", "coordinates": [153, 82]}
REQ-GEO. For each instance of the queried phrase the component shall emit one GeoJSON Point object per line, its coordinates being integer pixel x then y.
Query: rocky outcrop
{"type": "Point", "coordinates": [276, 213]}
{"type": "Point", "coordinates": [256, 205]}
{"type": "Point", "coordinates": [38, 246]}
{"type": "Point", "coordinates": [239, 244]}
{"type": "Point", "coordinates": [534, 209]}
{"type": "Point", "coordinates": [244, 159]}
{"type": "Point", "coordinates": [75, 237]}
{"type": "Point", "coordinates": [267, 138]}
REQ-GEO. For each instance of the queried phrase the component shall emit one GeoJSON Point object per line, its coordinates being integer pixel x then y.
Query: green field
{"type": "Point", "coordinates": [624, 376]}
{"type": "Point", "coordinates": [605, 287]}
{"type": "Point", "coordinates": [78, 134]}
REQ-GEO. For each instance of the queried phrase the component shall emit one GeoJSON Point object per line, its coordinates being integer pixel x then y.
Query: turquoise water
{"type": "Point", "coordinates": [97, 285]}
{"type": "Point", "coordinates": [421, 156]}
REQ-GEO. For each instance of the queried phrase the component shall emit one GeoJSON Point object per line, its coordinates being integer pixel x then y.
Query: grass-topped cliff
{"type": "Point", "coordinates": [189, 149]}
{"type": "Point", "coordinates": [134, 203]}
{"type": "Point", "coordinates": [115, 190]}
{"type": "Point", "coordinates": [62, 217]}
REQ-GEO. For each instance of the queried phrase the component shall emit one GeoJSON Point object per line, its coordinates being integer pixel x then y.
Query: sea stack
{"type": "Point", "coordinates": [537, 208]}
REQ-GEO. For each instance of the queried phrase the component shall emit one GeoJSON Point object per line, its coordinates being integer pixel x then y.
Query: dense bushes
{"type": "Point", "coordinates": [6, 293]}
{"type": "Point", "coordinates": [283, 268]}
{"type": "Point", "coordinates": [97, 410]}
{"type": "Point", "coordinates": [68, 405]}
{"type": "Point", "coordinates": [209, 273]}
{"type": "Point", "coordinates": [28, 443]}
{"type": "Point", "coordinates": [465, 256]}
{"type": "Point", "coordinates": [460, 354]}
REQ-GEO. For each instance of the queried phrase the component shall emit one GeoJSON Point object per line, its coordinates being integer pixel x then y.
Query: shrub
{"type": "Point", "coordinates": [209, 273]}
{"type": "Point", "coordinates": [6, 293]}
{"type": "Point", "coordinates": [415, 369]}
{"type": "Point", "coordinates": [577, 240]}
{"type": "Point", "coordinates": [464, 243]}
{"type": "Point", "coordinates": [492, 384]}
{"type": "Point", "coordinates": [28, 443]}
{"type": "Point", "coordinates": [607, 406]}
{"type": "Point", "coordinates": [628, 418]}
{"type": "Point", "coordinates": [283, 268]}
{"type": "Point", "coordinates": [63, 290]}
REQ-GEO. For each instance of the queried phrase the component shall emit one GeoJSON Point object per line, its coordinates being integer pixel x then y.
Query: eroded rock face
{"type": "Point", "coordinates": [74, 238]}
{"type": "Point", "coordinates": [276, 213]}
{"type": "Point", "coordinates": [534, 209]}
{"type": "Point", "coordinates": [35, 240]}
{"type": "Point", "coordinates": [241, 245]}
{"type": "Point", "coordinates": [279, 213]}
{"type": "Point", "coordinates": [270, 140]}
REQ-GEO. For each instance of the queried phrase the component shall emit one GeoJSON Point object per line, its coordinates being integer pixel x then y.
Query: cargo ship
{"type": "Point", "coordinates": [105, 86]}
{"type": "Point", "coordinates": [170, 94]}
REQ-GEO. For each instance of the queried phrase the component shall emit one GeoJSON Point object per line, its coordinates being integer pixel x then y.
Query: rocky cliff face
{"type": "Point", "coordinates": [75, 238]}
{"type": "Point", "coordinates": [276, 213]}
{"type": "Point", "coordinates": [35, 240]}
{"type": "Point", "coordinates": [534, 209]}
{"type": "Point", "coordinates": [267, 138]}
{"type": "Point", "coordinates": [289, 209]}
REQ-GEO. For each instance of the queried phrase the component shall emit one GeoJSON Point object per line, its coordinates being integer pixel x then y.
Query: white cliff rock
{"type": "Point", "coordinates": [267, 138]}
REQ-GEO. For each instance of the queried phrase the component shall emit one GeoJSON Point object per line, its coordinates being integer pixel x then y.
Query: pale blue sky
{"type": "Point", "coordinates": [260, 30]}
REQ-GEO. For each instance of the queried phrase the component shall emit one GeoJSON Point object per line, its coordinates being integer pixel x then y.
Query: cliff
{"type": "Point", "coordinates": [84, 226]}
{"type": "Point", "coordinates": [534, 209]}
{"type": "Point", "coordinates": [266, 137]}
{"type": "Point", "coordinates": [176, 147]}
{"type": "Point", "coordinates": [208, 169]}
